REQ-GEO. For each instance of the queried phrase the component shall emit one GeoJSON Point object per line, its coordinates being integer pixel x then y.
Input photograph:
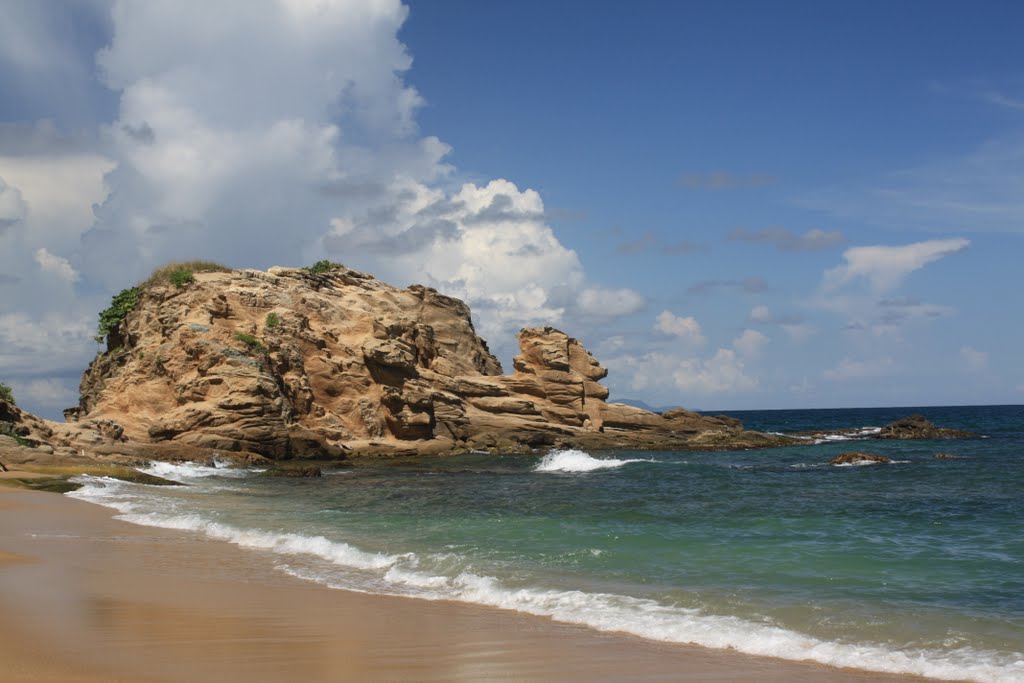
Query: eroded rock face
{"type": "Point", "coordinates": [347, 364]}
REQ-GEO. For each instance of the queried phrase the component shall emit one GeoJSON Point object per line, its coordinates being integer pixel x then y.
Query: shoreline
{"type": "Point", "coordinates": [88, 597]}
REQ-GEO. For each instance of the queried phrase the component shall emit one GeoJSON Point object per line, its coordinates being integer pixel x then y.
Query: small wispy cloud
{"type": "Point", "coordinates": [1002, 100]}
{"type": "Point", "coordinates": [610, 303]}
{"type": "Point", "coordinates": [980, 191]}
{"type": "Point", "coordinates": [899, 310]}
{"type": "Point", "coordinates": [56, 265]}
{"type": "Point", "coordinates": [851, 369]}
{"type": "Point", "coordinates": [649, 242]}
{"type": "Point", "coordinates": [723, 180]}
{"type": "Point", "coordinates": [793, 325]}
{"type": "Point", "coordinates": [787, 240]}
{"type": "Point", "coordinates": [976, 360]}
{"type": "Point", "coordinates": [750, 285]}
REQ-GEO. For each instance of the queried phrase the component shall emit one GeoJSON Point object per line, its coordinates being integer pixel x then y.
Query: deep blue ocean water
{"type": "Point", "coordinates": [915, 566]}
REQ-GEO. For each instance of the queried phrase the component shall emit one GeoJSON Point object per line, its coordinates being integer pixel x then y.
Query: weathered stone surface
{"type": "Point", "coordinates": [919, 427]}
{"type": "Point", "coordinates": [859, 459]}
{"type": "Point", "coordinates": [349, 366]}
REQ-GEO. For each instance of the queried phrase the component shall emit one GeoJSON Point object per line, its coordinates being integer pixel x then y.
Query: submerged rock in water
{"type": "Point", "coordinates": [919, 427]}
{"type": "Point", "coordinates": [947, 456]}
{"type": "Point", "coordinates": [855, 458]}
{"type": "Point", "coordinates": [294, 472]}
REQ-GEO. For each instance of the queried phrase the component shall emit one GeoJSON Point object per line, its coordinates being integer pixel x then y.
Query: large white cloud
{"type": "Point", "coordinates": [263, 132]}
{"type": "Point", "coordinates": [270, 132]}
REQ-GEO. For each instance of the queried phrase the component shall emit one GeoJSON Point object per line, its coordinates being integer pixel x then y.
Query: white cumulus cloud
{"type": "Point", "coordinates": [750, 342]}
{"type": "Point", "coordinates": [686, 329]}
{"type": "Point", "coordinates": [272, 132]}
{"type": "Point", "coordinates": [682, 376]}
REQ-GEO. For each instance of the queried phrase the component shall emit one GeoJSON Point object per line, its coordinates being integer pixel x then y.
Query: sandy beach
{"type": "Point", "coordinates": [86, 597]}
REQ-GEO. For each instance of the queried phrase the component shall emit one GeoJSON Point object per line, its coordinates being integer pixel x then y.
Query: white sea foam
{"type": "Point", "coordinates": [351, 568]}
{"type": "Point", "coordinates": [183, 471]}
{"type": "Point", "coordinates": [865, 463]}
{"type": "Point", "coordinates": [855, 435]}
{"type": "Point", "coordinates": [572, 460]}
{"type": "Point", "coordinates": [114, 494]}
{"type": "Point", "coordinates": [651, 620]}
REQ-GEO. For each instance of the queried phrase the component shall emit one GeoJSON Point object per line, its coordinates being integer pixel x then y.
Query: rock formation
{"type": "Point", "coordinates": [919, 427]}
{"type": "Point", "coordinates": [291, 363]}
{"type": "Point", "coordinates": [859, 459]}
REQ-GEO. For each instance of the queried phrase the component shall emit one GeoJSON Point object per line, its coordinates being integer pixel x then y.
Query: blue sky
{"type": "Point", "coordinates": [733, 205]}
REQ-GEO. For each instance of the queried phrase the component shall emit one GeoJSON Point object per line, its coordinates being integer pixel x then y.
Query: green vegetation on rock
{"type": "Point", "coordinates": [6, 394]}
{"type": "Point", "coordinates": [177, 273]}
{"type": "Point", "coordinates": [181, 273]}
{"type": "Point", "coordinates": [7, 429]}
{"type": "Point", "coordinates": [273, 319]}
{"type": "Point", "coordinates": [251, 343]}
{"type": "Point", "coordinates": [181, 278]}
{"type": "Point", "coordinates": [120, 306]}
{"type": "Point", "coordinates": [324, 266]}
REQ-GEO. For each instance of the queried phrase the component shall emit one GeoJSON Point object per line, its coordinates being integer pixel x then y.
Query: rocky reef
{"type": "Point", "coordinates": [291, 363]}
{"type": "Point", "coordinates": [857, 458]}
{"type": "Point", "coordinates": [919, 427]}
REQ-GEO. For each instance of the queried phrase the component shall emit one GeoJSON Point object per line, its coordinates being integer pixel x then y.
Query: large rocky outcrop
{"type": "Point", "coordinates": [289, 363]}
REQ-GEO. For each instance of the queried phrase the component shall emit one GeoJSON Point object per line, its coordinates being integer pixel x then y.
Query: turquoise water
{"type": "Point", "coordinates": [915, 566]}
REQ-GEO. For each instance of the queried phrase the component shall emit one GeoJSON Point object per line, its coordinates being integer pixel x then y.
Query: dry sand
{"type": "Point", "coordinates": [85, 597]}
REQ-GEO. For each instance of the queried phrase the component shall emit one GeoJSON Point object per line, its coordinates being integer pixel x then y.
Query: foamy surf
{"type": "Point", "coordinates": [572, 460]}
{"type": "Point", "coordinates": [118, 495]}
{"type": "Point", "coordinates": [451, 576]}
{"type": "Point", "coordinates": [654, 621]}
{"type": "Point", "coordinates": [183, 471]}
{"type": "Point", "coordinates": [867, 463]}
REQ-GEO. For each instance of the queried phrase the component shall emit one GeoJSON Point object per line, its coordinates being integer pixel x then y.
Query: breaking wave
{"type": "Point", "coordinates": [572, 460]}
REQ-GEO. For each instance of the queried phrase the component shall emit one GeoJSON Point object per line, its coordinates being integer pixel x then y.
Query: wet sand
{"type": "Point", "coordinates": [85, 597]}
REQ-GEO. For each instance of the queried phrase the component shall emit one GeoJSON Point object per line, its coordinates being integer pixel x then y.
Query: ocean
{"type": "Point", "coordinates": [911, 567]}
